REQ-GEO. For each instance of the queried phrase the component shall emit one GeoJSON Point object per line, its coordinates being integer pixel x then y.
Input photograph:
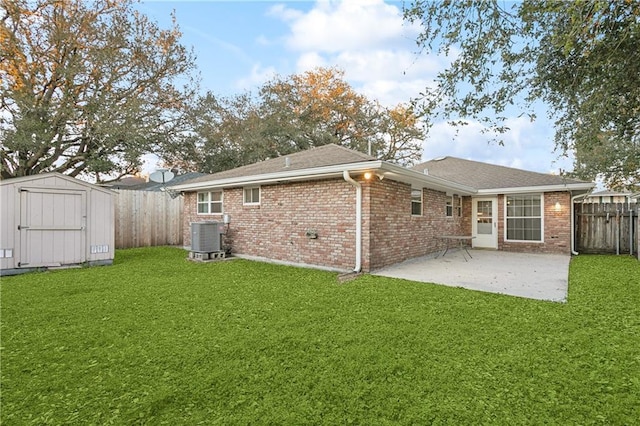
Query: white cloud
{"type": "Point", "coordinates": [526, 145]}
{"type": "Point", "coordinates": [309, 61]}
{"type": "Point", "coordinates": [334, 26]}
{"type": "Point", "coordinates": [258, 77]}
{"type": "Point", "coordinates": [282, 12]}
{"type": "Point", "coordinates": [370, 41]}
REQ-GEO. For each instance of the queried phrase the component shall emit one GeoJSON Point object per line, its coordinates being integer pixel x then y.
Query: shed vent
{"type": "Point", "coordinates": [206, 237]}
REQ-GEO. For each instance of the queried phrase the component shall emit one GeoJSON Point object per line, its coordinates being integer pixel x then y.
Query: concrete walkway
{"type": "Point", "coordinates": [534, 276]}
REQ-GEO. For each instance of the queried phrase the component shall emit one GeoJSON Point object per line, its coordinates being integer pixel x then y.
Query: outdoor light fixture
{"type": "Point", "coordinates": [370, 175]}
{"type": "Point", "coordinates": [557, 206]}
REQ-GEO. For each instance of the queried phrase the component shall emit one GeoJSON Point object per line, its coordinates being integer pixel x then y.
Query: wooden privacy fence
{"type": "Point", "coordinates": [607, 228]}
{"type": "Point", "coordinates": [147, 218]}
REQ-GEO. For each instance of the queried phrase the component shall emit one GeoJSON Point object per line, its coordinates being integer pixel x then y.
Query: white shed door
{"type": "Point", "coordinates": [52, 227]}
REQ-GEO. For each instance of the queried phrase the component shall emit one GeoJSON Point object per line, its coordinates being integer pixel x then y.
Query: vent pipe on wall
{"type": "Point", "coordinates": [348, 178]}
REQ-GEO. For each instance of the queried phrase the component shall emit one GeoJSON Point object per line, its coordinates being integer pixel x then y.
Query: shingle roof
{"type": "Point", "coordinates": [488, 176]}
{"type": "Point", "coordinates": [326, 155]}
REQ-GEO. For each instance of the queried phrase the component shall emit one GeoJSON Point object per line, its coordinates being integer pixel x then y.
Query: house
{"type": "Point", "coordinates": [608, 197]}
{"type": "Point", "coordinates": [140, 184]}
{"type": "Point", "coordinates": [340, 209]}
{"type": "Point", "coordinates": [54, 220]}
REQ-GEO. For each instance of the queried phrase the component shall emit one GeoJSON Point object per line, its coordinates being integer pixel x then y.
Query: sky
{"type": "Point", "coordinates": [240, 45]}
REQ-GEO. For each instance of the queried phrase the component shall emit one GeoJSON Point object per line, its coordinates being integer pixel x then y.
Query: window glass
{"type": "Point", "coordinates": [416, 202]}
{"type": "Point", "coordinates": [252, 195]}
{"type": "Point", "coordinates": [448, 208]}
{"type": "Point", "coordinates": [524, 218]}
{"type": "Point", "coordinates": [209, 202]}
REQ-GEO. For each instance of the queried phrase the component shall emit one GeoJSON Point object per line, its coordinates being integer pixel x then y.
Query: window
{"type": "Point", "coordinates": [448, 208]}
{"type": "Point", "coordinates": [459, 207]}
{"type": "Point", "coordinates": [210, 202]}
{"type": "Point", "coordinates": [252, 195]}
{"type": "Point", "coordinates": [524, 218]}
{"type": "Point", "coordinates": [416, 202]}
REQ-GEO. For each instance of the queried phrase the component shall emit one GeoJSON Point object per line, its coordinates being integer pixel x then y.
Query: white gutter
{"type": "Point", "coordinates": [287, 175]}
{"type": "Point", "coordinates": [348, 178]}
{"type": "Point", "coordinates": [542, 188]}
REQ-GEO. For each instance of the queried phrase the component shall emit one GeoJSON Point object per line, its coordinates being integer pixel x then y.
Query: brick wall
{"type": "Point", "coordinates": [276, 229]}
{"type": "Point", "coordinates": [557, 226]}
{"type": "Point", "coordinates": [394, 235]}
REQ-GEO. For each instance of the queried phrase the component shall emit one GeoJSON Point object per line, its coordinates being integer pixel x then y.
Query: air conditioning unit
{"type": "Point", "coordinates": [206, 237]}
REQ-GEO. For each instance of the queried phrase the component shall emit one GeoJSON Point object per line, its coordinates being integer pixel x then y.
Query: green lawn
{"type": "Point", "coordinates": [156, 339]}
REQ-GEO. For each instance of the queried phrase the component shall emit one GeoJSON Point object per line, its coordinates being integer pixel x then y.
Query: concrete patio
{"type": "Point", "coordinates": [534, 276]}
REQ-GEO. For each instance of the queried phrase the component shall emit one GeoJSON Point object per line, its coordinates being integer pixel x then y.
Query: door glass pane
{"type": "Point", "coordinates": [485, 219]}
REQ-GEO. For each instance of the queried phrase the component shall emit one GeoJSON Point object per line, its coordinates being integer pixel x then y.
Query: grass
{"type": "Point", "coordinates": [156, 339]}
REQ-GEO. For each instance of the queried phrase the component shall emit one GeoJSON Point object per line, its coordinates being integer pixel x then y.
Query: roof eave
{"type": "Point", "coordinates": [286, 176]}
{"type": "Point", "coordinates": [385, 169]}
{"type": "Point", "coordinates": [587, 186]}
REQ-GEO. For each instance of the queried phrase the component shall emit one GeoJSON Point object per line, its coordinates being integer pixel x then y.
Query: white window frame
{"type": "Point", "coordinates": [541, 217]}
{"type": "Point", "coordinates": [252, 202]}
{"type": "Point", "coordinates": [209, 202]}
{"type": "Point", "coordinates": [416, 200]}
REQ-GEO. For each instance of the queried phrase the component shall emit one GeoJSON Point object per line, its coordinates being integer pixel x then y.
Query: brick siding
{"type": "Point", "coordinates": [277, 228]}
{"type": "Point", "coordinates": [394, 235]}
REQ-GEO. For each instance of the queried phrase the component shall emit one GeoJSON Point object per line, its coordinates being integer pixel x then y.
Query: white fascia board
{"type": "Point", "coordinates": [287, 176]}
{"type": "Point", "coordinates": [543, 188]}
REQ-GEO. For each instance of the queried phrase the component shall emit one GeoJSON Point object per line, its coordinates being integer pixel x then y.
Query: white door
{"type": "Point", "coordinates": [52, 227]}
{"type": "Point", "coordinates": [485, 222]}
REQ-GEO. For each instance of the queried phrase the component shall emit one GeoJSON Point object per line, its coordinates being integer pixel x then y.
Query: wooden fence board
{"type": "Point", "coordinates": [606, 228]}
{"type": "Point", "coordinates": [147, 218]}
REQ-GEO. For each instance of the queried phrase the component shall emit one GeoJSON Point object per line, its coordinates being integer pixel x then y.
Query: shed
{"type": "Point", "coordinates": [53, 220]}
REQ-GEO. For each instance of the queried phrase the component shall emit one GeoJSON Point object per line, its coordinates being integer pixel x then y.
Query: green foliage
{"type": "Point", "coordinates": [293, 114]}
{"type": "Point", "coordinates": [156, 339]}
{"type": "Point", "coordinates": [580, 58]}
{"type": "Point", "coordinates": [87, 87]}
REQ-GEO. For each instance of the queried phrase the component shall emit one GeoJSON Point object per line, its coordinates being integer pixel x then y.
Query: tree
{"type": "Point", "coordinates": [580, 58]}
{"type": "Point", "coordinates": [225, 133]}
{"type": "Point", "coordinates": [296, 113]}
{"type": "Point", "coordinates": [87, 87]}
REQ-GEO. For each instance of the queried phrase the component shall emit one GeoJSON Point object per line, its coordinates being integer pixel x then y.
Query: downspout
{"type": "Point", "coordinates": [348, 178]}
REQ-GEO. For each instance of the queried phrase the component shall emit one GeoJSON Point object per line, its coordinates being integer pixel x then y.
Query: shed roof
{"type": "Point", "coordinates": [485, 176]}
{"type": "Point", "coordinates": [56, 175]}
